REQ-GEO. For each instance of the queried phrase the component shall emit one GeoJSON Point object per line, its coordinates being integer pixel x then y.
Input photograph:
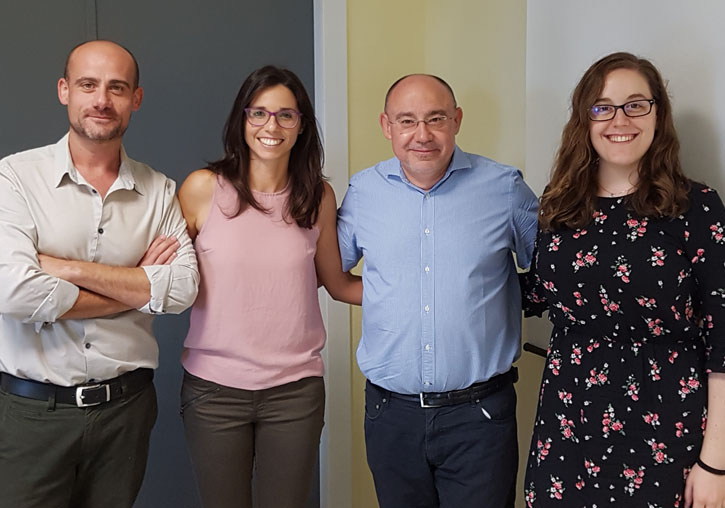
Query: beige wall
{"type": "Point", "coordinates": [479, 47]}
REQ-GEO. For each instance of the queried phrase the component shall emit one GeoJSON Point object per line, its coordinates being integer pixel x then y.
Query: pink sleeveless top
{"type": "Point", "coordinates": [256, 322]}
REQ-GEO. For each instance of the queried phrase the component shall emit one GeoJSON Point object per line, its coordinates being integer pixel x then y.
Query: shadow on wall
{"type": "Point", "coordinates": [547, 112]}
{"type": "Point", "coordinates": [481, 116]}
{"type": "Point", "coordinates": [165, 486]}
{"type": "Point", "coordinates": [701, 151]}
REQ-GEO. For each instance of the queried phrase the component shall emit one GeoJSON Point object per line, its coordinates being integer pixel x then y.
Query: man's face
{"type": "Point", "coordinates": [424, 150]}
{"type": "Point", "coordinates": [99, 91]}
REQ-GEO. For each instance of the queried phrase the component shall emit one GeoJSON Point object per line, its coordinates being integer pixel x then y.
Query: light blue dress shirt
{"type": "Point", "coordinates": [441, 299]}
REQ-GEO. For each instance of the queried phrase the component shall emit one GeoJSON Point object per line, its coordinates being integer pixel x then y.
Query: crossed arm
{"type": "Point", "coordinates": [106, 289]}
{"type": "Point", "coordinates": [39, 289]}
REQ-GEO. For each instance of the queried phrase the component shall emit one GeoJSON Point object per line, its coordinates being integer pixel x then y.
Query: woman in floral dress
{"type": "Point", "coordinates": [631, 266]}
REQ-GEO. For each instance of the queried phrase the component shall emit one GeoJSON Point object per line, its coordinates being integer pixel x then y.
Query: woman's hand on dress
{"type": "Point", "coordinates": [704, 490]}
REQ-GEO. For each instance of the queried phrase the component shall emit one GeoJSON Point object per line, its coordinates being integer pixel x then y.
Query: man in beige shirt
{"type": "Point", "coordinates": [92, 244]}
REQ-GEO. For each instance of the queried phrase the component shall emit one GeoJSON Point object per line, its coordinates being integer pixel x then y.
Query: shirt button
{"type": "Point", "coordinates": [100, 231]}
{"type": "Point", "coordinates": [427, 195]}
{"type": "Point", "coordinates": [427, 347]}
{"type": "Point", "coordinates": [427, 383]}
{"type": "Point", "coordinates": [88, 345]}
{"type": "Point", "coordinates": [427, 231]}
{"type": "Point", "coordinates": [427, 308]}
{"type": "Point", "coordinates": [427, 268]}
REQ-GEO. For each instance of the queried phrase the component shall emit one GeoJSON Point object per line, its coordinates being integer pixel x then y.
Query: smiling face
{"type": "Point", "coordinates": [622, 141]}
{"type": "Point", "coordinates": [99, 91]}
{"type": "Point", "coordinates": [270, 142]}
{"type": "Point", "coordinates": [424, 152]}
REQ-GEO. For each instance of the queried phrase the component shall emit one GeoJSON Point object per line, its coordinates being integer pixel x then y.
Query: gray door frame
{"type": "Point", "coordinates": [330, 41]}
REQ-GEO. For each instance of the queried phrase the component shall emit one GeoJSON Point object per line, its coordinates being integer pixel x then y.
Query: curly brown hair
{"type": "Point", "coordinates": [568, 201]}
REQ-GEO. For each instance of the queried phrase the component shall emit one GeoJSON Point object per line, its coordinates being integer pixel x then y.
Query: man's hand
{"type": "Point", "coordinates": [126, 285]}
{"type": "Point", "coordinates": [162, 251]}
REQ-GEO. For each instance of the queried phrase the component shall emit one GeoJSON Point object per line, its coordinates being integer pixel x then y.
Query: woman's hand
{"type": "Point", "coordinates": [704, 490]}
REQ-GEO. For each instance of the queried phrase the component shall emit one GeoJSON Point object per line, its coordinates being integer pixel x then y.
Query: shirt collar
{"type": "Point", "coordinates": [64, 166]}
{"type": "Point", "coordinates": [459, 161]}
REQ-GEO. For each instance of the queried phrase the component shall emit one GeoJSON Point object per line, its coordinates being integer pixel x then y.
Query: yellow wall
{"type": "Point", "coordinates": [479, 47]}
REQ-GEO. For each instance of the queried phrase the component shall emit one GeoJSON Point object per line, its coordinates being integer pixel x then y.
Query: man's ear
{"type": "Point", "coordinates": [137, 98]}
{"type": "Point", "coordinates": [63, 91]}
{"type": "Point", "coordinates": [458, 117]}
{"type": "Point", "coordinates": [385, 125]}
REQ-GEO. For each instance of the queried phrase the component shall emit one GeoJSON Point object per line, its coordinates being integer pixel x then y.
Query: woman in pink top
{"type": "Point", "coordinates": [263, 222]}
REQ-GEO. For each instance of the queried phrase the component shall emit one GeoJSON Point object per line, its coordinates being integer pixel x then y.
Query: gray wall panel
{"type": "Point", "coordinates": [35, 36]}
{"type": "Point", "coordinates": [193, 57]}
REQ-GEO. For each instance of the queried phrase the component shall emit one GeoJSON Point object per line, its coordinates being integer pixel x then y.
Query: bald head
{"type": "Point", "coordinates": [100, 91]}
{"type": "Point", "coordinates": [421, 120]}
{"type": "Point", "coordinates": [420, 79]}
{"type": "Point", "coordinates": [107, 47]}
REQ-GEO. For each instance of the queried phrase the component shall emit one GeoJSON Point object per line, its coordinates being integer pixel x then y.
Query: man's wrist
{"type": "Point", "coordinates": [71, 271]}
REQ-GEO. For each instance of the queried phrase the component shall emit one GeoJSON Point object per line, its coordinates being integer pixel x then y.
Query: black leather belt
{"type": "Point", "coordinates": [81, 395]}
{"type": "Point", "coordinates": [474, 392]}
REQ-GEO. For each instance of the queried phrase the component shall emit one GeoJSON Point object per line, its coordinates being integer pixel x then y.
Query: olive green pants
{"type": "Point", "coordinates": [271, 434]}
{"type": "Point", "coordinates": [62, 456]}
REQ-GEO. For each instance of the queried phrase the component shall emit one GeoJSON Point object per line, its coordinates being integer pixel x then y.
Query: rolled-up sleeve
{"type": "Point", "coordinates": [349, 251]}
{"type": "Point", "coordinates": [26, 292]}
{"type": "Point", "coordinates": [174, 286]}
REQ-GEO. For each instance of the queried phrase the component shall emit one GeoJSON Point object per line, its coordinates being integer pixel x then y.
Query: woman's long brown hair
{"type": "Point", "coordinates": [662, 191]}
{"type": "Point", "coordinates": [306, 158]}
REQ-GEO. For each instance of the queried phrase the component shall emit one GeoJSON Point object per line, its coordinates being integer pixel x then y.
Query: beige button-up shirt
{"type": "Point", "coordinates": [47, 207]}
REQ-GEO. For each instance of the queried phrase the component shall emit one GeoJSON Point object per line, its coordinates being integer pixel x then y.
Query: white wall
{"type": "Point", "coordinates": [683, 39]}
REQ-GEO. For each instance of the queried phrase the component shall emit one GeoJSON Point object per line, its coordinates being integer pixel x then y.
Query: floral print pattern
{"type": "Point", "coordinates": [638, 307]}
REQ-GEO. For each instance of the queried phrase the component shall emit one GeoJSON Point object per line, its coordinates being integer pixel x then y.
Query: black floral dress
{"type": "Point", "coordinates": [638, 307]}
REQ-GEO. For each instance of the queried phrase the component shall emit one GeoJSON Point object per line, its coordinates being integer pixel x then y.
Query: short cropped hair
{"type": "Point", "coordinates": [135, 62]}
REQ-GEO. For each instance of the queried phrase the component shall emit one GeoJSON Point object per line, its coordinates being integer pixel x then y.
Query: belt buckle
{"type": "Point", "coordinates": [105, 394]}
{"type": "Point", "coordinates": [422, 401]}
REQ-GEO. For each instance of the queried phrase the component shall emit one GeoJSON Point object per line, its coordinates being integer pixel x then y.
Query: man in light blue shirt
{"type": "Point", "coordinates": [437, 228]}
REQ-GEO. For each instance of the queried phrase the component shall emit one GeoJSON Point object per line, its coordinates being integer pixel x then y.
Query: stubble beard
{"type": "Point", "coordinates": [81, 128]}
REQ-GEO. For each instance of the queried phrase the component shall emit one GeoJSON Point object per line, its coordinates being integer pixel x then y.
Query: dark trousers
{"type": "Point", "coordinates": [62, 456]}
{"type": "Point", "coordinates": [459, 456]}
{"type": "Point", "coordinates": [275, 431]}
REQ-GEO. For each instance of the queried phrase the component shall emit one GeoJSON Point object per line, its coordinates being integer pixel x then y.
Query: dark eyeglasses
{"type": "Point", "coordinates": [287, 118]}
{"type": "Point", "coordinates": [632, 109]}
